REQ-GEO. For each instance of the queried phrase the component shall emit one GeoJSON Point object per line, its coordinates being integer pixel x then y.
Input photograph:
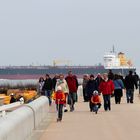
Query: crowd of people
{"type": "Point", "coordinates": [64, 90]}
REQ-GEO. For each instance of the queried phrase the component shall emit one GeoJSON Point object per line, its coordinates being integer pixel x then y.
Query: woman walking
{"type": "Point", "coordinates": [40, 86]}
{"type": "Point", "coordinates": [118, 92]}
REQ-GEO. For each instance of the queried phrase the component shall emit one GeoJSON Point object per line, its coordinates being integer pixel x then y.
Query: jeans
{"type": "Point", "coordinates": [59, 108]}
{"type": "Point", "coordinates": [72, 98]}
{"type": "Point", "coordinates": [118, 94]}
{"type": "Point", "coordinates": [48, 94]}
{"type": "Point", "coordinates": [107, 102]}
{"type": "Point", "coordinates": [95, 107]}
{"type": "Point", "coordinates": [130, 95]}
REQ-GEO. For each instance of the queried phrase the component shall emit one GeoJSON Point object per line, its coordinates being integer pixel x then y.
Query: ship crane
{"type": "Point", "coordinates": [64, 62]}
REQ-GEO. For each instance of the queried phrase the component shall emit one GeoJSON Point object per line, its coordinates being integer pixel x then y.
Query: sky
{"type": "Point", "coordinates": [39, 31]}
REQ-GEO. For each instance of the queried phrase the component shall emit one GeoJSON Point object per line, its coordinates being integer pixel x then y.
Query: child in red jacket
{"type": "Point", "coordinates": [59, 98]}
{"type": "Point", "coordinates": [96, 101]}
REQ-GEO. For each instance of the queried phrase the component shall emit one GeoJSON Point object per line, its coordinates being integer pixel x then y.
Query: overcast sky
{"type": "Point", "coordinates": [39, 31]}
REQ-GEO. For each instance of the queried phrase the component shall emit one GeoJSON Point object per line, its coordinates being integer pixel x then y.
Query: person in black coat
{"type": "Point", "coordinates": [130, 82]}
{"type": "Point", "coordinates": [13, 99]}
{"type": "Point", "coordinates": [91, 87]}
{"type": "Point", "coordinates": [98, 80]}
{"type": "Point", "coordinates": [47, 88]}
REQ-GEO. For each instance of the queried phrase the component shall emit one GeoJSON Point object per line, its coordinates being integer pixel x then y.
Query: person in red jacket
{"type": "Point", "coordinates": [106, 87]}
{"type": "Point", "coordinates": [95, 101]}
{"type": "Point", "coordinates": [59, 98]}
{"type": "Point", "coordinates": [73, 86]}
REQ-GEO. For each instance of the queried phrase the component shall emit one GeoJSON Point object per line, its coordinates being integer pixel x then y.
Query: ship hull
{"type": "Point", "coordinates": [36, 72]}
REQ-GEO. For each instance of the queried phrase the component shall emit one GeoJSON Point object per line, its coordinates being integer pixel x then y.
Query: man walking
{"type": "Point", "coordinates": [130, 82]}
{"type": "Point", "coordinates": [73, 86]}
{"type": "Point", "coordinates": [47, 88]}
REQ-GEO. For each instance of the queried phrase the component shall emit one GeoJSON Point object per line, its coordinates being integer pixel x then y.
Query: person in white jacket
{"type": "Point", "coordinates": [63, 84]}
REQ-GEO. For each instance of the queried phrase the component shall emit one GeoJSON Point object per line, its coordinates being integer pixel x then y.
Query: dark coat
{"type": "Point", "coordinates": [98, 81]}
{"type": "Point", "coordinates": [48, 84]}
{"type": "Point", "coordinates": [54, 80]}
{"type": "Point", "coordinates": [91, 86]}
{"type": "Point", "coordinates": [130, 82]}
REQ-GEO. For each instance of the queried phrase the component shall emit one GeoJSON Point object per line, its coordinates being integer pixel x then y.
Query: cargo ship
{"type": "Point", "coordinates": [118, 63]}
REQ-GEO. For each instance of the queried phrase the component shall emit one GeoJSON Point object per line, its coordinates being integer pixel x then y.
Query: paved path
{"type": "Point", "coordinates": [121, 123]}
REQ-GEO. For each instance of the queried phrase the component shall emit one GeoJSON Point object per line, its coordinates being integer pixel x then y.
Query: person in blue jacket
{"type": "Point", "coordinates": [118, 91]}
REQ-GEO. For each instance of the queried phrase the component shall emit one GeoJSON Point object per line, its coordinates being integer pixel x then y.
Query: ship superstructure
{"type": "Point", "coordinates": [117, 61]}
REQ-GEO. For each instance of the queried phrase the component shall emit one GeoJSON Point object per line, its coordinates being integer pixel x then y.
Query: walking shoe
{"type": "Point", "coordinates": [109, 109]}
{"type": "Point", "coordinates": [65, 110]}
{"type": "Point", "coordinates": [71, 110]}
{"type": "Point", "coordinates": [59, 119]}
{"type": "Point", "coordinates": [128, 101]}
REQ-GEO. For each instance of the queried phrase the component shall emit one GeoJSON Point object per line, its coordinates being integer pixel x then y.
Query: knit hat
{"type": "Point", "coordinates": [95, 92]}
{"type": "Point", "coordinates": [59, 88]}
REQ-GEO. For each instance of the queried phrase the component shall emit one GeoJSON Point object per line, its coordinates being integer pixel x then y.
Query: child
{"type": "Point", "coordinates": [13, 99]}
{"type": "Point", "coordinates": [96, 101]}
{"type": "Point", "coordinates": [21, 99]}
{"type": "Point", "coordinates": [59, 98]}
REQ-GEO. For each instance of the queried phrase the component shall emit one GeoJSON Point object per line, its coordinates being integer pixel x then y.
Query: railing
{"type": "Point", "coordinates": [8, 107]}
{"type": "Point", "coordinates": [20, 123]}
